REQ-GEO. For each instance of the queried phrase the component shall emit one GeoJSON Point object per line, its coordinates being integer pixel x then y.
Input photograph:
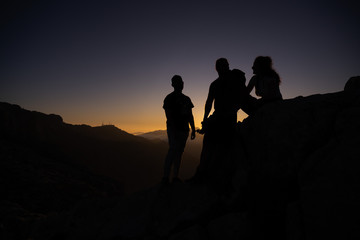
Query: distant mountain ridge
{"type": "Point", "coordinates": [134, 161]}
{"type": "Point", "coordinates": [158, 134]}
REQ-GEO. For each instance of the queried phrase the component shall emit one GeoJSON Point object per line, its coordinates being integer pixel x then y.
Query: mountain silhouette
{"type": "Point", "coordinates": [293, 168]}
{"type": "Point", "coordinates": [155, 135]}
{"type": "Point", "coordinates": [104, 150]}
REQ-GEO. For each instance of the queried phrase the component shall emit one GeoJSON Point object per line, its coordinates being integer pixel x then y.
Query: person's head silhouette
{"type": "Point", "coordinates": [177, 83]}
{"type": "Point", "coordinates": [262, 65]}
{"type": "Point", "coordinates": [222, 66]}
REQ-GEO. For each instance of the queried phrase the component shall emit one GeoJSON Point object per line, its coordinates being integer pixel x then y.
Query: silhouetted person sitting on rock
{"type": "Point", "coordinates": [178, 110]}
{"type": "Point", "coordinates": [266, 81]}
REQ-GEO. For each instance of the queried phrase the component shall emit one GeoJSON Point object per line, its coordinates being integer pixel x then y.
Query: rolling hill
{"type": "Point", "coordinates": [133, 161]}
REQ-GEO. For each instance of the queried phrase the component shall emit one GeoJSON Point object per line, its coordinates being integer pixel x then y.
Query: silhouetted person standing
{"type": "Point", "coordinates": [266, 81]}
{"type": "Point", "coordinates": [178, 110]}
{"type": "Point", "coordinates": [226, 94]}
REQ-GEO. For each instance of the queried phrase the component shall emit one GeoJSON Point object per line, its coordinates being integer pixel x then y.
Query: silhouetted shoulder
{"type": "Point", "coordinates": [177, 100]}
{"type": "Point", "coordinates": [238, 75]}
{"type": "Point", "coordinates": [254, 79]}
{"type": "Point", "coordinates": [215, 84]}
{"type": "Point", "coordinates": [187, 101]}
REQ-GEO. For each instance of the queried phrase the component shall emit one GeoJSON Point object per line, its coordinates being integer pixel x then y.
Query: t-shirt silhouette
{"type": "Point", "coordinates": [228, 92]}
{"type": "Point", "coordinates": [178, 111]}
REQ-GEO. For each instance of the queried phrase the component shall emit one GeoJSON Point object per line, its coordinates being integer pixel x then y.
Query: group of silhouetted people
{"type": "Point", "coordinates": [228, 93]}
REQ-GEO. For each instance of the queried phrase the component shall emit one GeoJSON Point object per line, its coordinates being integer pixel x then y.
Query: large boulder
{"type": "Point", "coordinates": [305, 150]}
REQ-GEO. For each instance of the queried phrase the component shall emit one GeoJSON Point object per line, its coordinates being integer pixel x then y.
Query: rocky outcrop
{"type": "Point", "coordinates": [309, 145]}
{"type": "Point", "coordinates": [353, 85]}
{"type": "Point", "coordinates": [295, 175]}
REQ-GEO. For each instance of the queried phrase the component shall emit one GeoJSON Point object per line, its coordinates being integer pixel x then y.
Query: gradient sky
{"type": "Point", "coordinates": [110, 62]}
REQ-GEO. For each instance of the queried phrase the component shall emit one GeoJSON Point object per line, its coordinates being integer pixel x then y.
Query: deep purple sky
{"type": "Point", "coordinates": [110, 62]}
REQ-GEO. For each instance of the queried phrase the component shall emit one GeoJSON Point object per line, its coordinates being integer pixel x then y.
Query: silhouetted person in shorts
{"type": "Point", "coordinates": [266, 81]}
{"type": "Point", "coordinates": [178, 110]}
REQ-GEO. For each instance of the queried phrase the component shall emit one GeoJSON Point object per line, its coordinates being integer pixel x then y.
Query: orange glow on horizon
{"type": "Point", "coordinates": [135, 122]}
{"type": "Point", "coordinates": [161, 125]}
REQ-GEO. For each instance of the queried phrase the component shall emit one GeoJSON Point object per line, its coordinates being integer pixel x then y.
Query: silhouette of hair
{"type": "Point", "coordinates": [177, 82]}
{"type": "Point", "coordinates": [222, 65]}
{"type": "Point", "coordinates": [176, 79]}
{"type": "Point", "coordinates": [263, 66]}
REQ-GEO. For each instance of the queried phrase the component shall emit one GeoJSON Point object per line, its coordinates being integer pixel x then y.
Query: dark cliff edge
{"type": "Point", "coordinates": [294, 172]}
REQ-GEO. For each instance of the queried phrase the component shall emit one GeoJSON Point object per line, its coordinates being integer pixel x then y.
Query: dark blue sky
{"type": "Point", "coordinates": [101, 62]}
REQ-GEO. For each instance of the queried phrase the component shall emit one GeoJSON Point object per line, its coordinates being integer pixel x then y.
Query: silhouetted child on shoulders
{"type": "Point", "coordinates": [178, 110]}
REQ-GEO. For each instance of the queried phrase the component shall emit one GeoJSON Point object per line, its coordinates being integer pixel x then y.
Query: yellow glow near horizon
{"type": "Point", "coordinates": [161, 124]}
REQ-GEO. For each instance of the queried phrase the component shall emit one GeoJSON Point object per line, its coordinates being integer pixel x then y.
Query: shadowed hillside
{"type": "Point", "coordinates": [133, 161]}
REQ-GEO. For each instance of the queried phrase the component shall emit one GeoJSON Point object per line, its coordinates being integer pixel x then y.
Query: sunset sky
{"type": "Point", "coordinates": [110, 62]}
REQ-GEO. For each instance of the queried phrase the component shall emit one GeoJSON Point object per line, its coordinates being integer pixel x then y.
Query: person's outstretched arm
{"type": "Point", "coordinates": [192, 125]}
{"type": "Point", "coordinates": [251, 84]}
{"type": "Point", "coordinates": [208, 103]}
